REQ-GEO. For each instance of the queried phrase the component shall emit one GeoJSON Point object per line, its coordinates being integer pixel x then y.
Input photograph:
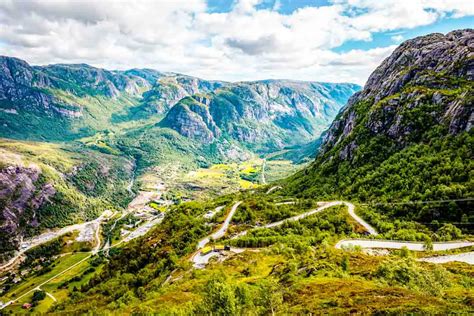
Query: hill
{"type": "Point", "coordinates": [407, 136]}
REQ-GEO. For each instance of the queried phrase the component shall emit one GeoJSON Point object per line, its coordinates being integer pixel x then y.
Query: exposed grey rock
{"type": "Point", "coordinates": [267, 114]}
{"type": "Point", "coordinates": [416, 74]}
{"type": "Point", "coordinates": [19, 193]}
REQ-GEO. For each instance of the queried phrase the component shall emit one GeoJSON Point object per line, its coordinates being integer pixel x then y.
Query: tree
{"type": "Point", "coordinates": [345, 264]}
{"type": "Point", "coordinates": [219, 298]}
{"type": "Point", "coordinates": [449, 232]}
{"type": "Point", "coordinates": [271, 295]}
{"type": "Point", "coordinates": [38, 295]}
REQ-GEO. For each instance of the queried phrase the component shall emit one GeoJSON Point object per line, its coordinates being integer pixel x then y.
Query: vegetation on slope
{"type": "Point", "coordinates": [301, 273]}
{"type": "Point", "coordinates": [408, 140]}
{"type": "Point", "coordinates": [50, 185]}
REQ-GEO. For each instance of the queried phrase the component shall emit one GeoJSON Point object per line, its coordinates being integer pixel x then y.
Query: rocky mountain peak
{"type": "Point", "coordinates": [426, 81]}
{"type": "Point", "coordinates": [416, 60]}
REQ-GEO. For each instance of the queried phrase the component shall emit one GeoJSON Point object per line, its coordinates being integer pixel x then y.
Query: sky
{"type": "Point", "coordinates": [233, 40]}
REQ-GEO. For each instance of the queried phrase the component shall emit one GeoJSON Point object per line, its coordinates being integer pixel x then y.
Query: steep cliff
{"type": "Point", "coordinates": [407, 136]}
{"type": "Point", "coordinates": [47, 186]}
{"type": "Point", "coordinates": [263, 115]}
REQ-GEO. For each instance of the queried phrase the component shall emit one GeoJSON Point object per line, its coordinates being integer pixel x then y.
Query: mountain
{"type": "Point", "coordinates": [67, 102]}
{"type": "Point", "coordinates": [44, 185]}
{"type": "Point", "coordinates": [107, 121]}
{"type": "Point", "coordinates": [63, 102]}
{"type": "Point", "coordinates": [407, 136]}
{"type": "Point", "coordinates": [265, 116]}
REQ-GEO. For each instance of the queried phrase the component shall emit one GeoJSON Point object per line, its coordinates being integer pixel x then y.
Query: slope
{"type": "Point", "coordinates": [407, 136]}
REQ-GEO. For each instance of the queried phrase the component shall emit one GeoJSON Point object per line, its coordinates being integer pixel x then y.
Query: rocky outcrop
{"type": "Point", "coordinates": [21, 195]}
{"type": "Point", "coordinates": [417, 61]}
{"type": "Point", "coordinates": [171, 88]}
{"type": "Point", "coordinates": [427, 81]}
{"type": "Point", "coordinates": [18, 90]}
{"type": "Point", "coordinates": [265, 115]}
{"type": "Point", "coordinates": [191, 118]}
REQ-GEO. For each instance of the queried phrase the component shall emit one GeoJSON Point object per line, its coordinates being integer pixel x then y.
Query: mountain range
{"type": "Point", "coordinates": [398, 152]}
{"type": "Point", "coordinates": [68, 102]}
{"type": "Point", "coordinates": [111, 126]}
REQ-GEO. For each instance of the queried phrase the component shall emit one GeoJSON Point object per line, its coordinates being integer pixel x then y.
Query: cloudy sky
{"type": "Point", "coordinates": [335, 40]}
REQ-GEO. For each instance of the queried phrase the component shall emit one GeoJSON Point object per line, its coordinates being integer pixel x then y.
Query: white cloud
{"type": "Point", "coordinates": [243, 44]}
{"type": "Point", "coordinates": [397, 38]}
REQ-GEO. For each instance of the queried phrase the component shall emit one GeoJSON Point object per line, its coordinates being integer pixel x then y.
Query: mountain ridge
{"type": "Point", "coordinates": [84, 98]}
{"type": "Point", "coordinates": [415, 112]}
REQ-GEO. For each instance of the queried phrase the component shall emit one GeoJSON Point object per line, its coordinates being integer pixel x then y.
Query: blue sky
{"type": "Point", "coordinates": [378, 39]}
{"type": "Point", "coordinates": [284, 6]}
{"type": "Point", "coordinates": [317, 40]}
{"type": "Point", "coordinates": [386, 38]}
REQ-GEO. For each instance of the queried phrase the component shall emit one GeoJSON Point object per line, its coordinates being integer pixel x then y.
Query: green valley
{"type": "Point", "coordinates": [146, 192]}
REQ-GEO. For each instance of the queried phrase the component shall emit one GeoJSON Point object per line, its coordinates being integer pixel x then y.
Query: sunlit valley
{"type": "Point", "coordinates": [150, 191]}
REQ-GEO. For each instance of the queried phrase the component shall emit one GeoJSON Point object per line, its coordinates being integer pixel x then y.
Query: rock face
{"type": "Point", "coordinates": [266, 115]}
{"type": "Point", "coordinates": [20, 194]}
{"type": "Point", "coordinates": [407, 136]}
{"type": "Point", "coordinates": [432, 74]}
{"type": "Point", "coordinates": [17, 88]}
{"type": "Point", "coordinates": [174, 87]}
{"type": "Point", "coordinates": [191, 118]}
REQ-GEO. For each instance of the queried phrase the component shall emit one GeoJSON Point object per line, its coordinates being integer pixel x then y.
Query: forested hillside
{"type": "Point", "coordinates": [407, 136]}
{"type": "Point", "coordinates": [46, 185]}
{"type": "Point", "coordinates": [120, 125]}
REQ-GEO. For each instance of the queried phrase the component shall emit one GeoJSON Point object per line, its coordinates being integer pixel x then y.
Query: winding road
{"type": "Point", "coordinates": [48, 236]}
{"type": "Point", "coordinates": [276, 187]}
{"type": "Point", "coordinates": [222, 230]}
{"type": "Point", "coordinates": [467, 257]}
{"type": "Point", "coordinates": [199, 260]}
{"type": "Point", "coordinates": [394, 244]}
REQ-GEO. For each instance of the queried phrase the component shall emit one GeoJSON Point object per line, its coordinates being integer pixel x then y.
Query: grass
{"type": "Point", "coordinates": [54, 286]}
{"type": "Point", "coordinates": [60, 265]}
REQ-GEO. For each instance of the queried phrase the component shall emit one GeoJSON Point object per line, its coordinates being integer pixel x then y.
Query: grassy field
{"type": "Point", "coordinates": [30, 283]}
{"type": "Point", "coordinates": [216, 179]}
